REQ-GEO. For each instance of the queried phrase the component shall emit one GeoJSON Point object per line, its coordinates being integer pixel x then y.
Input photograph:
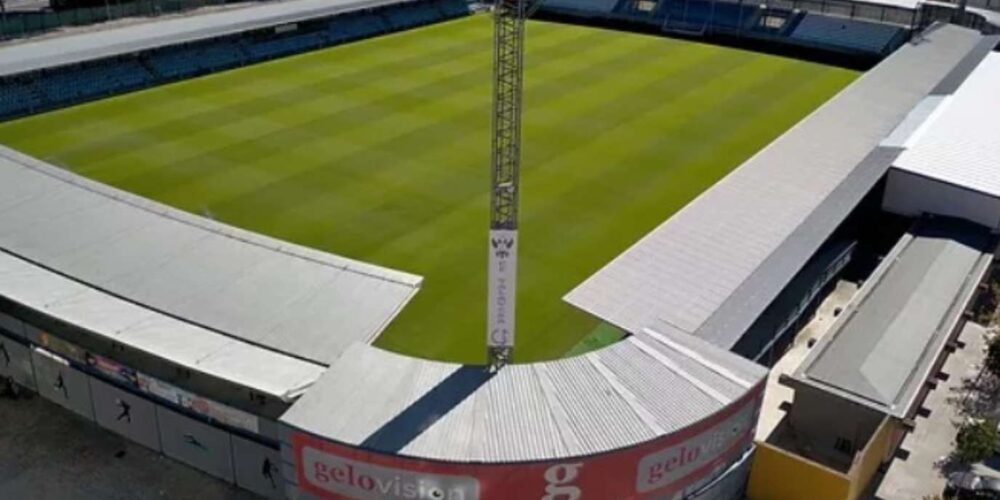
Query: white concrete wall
{"type": "Point", "coordinates": [911, 195]}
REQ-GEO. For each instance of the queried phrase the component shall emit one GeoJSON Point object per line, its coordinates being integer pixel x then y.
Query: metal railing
{"type": "Point", "coordinates": [864, 11]}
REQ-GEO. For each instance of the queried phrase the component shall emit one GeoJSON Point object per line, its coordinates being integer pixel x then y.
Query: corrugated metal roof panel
{"type": "Point", "coordinates": [364, 390]}
{"type": "Point", "coordinates": [739, 369]}
{"type": "Point", "coordinates": [508, 417]}
{"type": "Point", "coordinates": [599, 417]}
{"type": "Point", "coordinates": [673, 401]}
{"type": "Point", "coordinates": [604, 400]}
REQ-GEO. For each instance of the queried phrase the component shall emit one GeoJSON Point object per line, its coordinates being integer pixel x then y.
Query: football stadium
{"type": "Point", "coordinates": [260, 234]}
{"type": "Point", "coordinates": [375, 150]}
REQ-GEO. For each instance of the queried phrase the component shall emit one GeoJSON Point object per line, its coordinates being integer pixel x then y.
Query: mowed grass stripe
{"type": "Point", "coordinates": [378, 150]}
{"type": "Point", "coordinates": [416, 141]}
{"type": "Point", "coordinates": [355, 117]}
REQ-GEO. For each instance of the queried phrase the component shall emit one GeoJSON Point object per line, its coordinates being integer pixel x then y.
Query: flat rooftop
{"type": "Point", "coordinates": [128, 252]}
{"type": "Point", "coordinates": [884, 343]}
{"type": "Point", "coordinates": [958, 142]}
{"type": "Point", "coordinates": [147, 331]}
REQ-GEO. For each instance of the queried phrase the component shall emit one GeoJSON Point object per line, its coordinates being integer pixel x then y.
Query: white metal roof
{"type": "Point", "coordinates": [715, 265]}
{"type": "Point", "coordinates": [59, 51]}
{"type": "Point", "coordinates": [147, 331]}
{"type": "Point", "coordinates": [646, 386]}
{"type": "Point", "coordinates": [261, 291]}
{"type": "Point", "coordinates": [960, 144]}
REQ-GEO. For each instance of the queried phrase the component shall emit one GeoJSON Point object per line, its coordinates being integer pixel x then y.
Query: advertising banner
{"type": "Point", "coordinates": [502, 288]}
{"type": "Point", "coordinates": [667, 467]}
{"type": "Point", "coordinates": [60, 346]}
{"type": "Point", "coordinates": [112, 369]}
{"type": "Point", "coordinates": [216, 411]}
{"type": "Point", "coordinates": [220, 412]}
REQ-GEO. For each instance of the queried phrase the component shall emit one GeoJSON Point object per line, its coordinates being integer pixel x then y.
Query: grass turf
{"type": "Point", "coordinates": [378, 150]}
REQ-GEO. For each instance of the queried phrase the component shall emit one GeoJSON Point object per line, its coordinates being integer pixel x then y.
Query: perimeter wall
{"type": "Point", "coordinates": [697, 460]}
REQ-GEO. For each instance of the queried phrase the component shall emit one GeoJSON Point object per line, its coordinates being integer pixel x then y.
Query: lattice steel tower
{"type": "Point", "coordinates": [508, 79]}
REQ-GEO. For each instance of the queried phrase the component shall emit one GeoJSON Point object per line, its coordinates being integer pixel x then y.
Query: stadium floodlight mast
{"type": "Point", "coordinates": [508, 81]}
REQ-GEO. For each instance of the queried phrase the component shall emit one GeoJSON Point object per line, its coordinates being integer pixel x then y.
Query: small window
{"type": "Point", "coordinates": [772, 22]}
{"type": "Point", "coordinates": [644, 5]}
{"type": "Point", "coordinates": [844, 446]}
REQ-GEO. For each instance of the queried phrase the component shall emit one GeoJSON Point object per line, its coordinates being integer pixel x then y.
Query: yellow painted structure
{"type": "Point", "coordinates": [779, 474]}
{"type": "Point", "coordinates": [878, 450]}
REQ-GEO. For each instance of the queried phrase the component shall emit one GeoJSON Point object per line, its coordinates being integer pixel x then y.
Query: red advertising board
{"type": "Point", "coordinates": [656, 468]}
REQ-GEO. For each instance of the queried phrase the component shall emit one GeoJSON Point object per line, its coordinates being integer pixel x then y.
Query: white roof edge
{"type": "Point", "coordinates": [692, 354]}
{"type": "Point", "coordinates": [76, 48]}
{"type": "Point", "coordinates": [213, 226]}
{"type": "Point", "coordinates": [959, 143]}
{"type": "Point", "coordinates": [299, 373]}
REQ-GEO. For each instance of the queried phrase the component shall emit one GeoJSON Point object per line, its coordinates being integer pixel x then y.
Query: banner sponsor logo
{"type": "Point", "coordinates": [361, 480]}
{"type": "Point", "coordinates": [112, 369]}
{"type": "Point", "coordinates": [502, 287]}
{"type": "Point", "coordinates": [204, 406]}
{"type": "Point", "coordinates": [666, 466]}
{"type": "Point", "coordinates": [159, 389]}
{"type": "Point", "coordinates": [60, 346]}
{"type": "Point", "coordinates": [560, 482]}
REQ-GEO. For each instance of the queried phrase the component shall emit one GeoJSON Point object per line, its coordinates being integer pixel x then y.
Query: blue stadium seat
{"type": "Point", "coordinates": [583, 6]}
{"type": "Point", "coordinates": [735, 16]}
{"type": "Point", "coordinates": [847, 35]}
{"type": "Point", "coordinates": [283, 46]}
{"type": "Point", "coordinates": [355, 26]}
{"type": "Point", "coordinates": [192, 60]}
{"type": "Point", "coordinates": [452, 8]}
{"type": "Point", "coordinates": [18, 97]}
{"type": "Point", "coordinates": [104, 78]}
{"type": "Point", "coordinates": [705, 14]}
{"type": "Point", "coordinates": [409, 15]}
{"type": "Point", "coordinates": [62, 86]}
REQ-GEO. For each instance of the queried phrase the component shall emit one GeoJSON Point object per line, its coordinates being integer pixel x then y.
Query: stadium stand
{"type": "Point", "coordinates": [846, 34]}
{"type": "Point", "coordinates": [707, 15]}
{"type": "Point", "coordinates": [284, 46]}
{"type": "Point", "coordinates": [19, 97]}
{"type": "Point", "coordinates": [93, 80]}
{"type": "Point", "coordinates": [589, 7]}
{"type": "Point", "coordinates": [34, 90]}
{"type": "Point", "coordinates": [452, 8]}
{"type": "Point", "coordinates": [842, 26]}
{"type": "Point", "coordinates": [407, 16]}
{"type": "Point", "coordinates": [776, 22]}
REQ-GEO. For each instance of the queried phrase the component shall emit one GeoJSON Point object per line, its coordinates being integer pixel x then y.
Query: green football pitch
{"type": "Point", "coordinates": [379, 150]}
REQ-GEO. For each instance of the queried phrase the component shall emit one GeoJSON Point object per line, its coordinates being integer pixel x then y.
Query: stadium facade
{"type": "Point", "coordinates": [252, 359]}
